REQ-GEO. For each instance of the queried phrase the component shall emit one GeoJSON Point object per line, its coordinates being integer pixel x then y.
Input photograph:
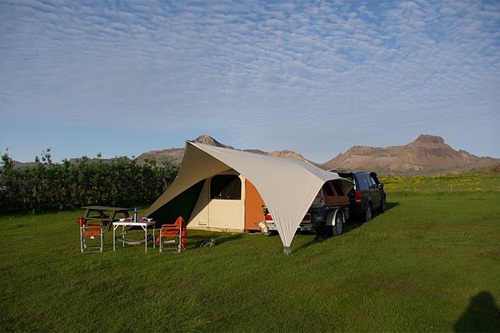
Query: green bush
{"type": "Point", "coordinates": [48, 186]}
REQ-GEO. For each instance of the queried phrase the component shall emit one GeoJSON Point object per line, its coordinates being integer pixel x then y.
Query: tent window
{"type": "Point", "coordinates": [225, 187]}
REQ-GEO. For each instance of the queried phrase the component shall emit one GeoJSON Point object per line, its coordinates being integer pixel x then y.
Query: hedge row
{"type": "Point", "coordinates": [48, 186]}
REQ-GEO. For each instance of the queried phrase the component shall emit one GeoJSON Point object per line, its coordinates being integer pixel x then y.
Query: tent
{"type": "Point", "coordinates": [287, 187]}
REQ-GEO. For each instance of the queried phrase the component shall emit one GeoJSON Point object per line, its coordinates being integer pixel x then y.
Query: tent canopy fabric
{"type": "Point", "coordinates": [287, 186]}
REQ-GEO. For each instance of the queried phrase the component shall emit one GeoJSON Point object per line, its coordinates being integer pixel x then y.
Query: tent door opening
{"type": "Point", "coordinates": [225, 208]}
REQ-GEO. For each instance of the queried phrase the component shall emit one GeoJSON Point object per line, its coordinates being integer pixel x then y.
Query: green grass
{"type": "Point", "coordinates": [430, 263]}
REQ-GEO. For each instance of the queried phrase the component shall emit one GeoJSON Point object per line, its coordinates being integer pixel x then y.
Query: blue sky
{"type": "Point", "coordinates": [121, 78]}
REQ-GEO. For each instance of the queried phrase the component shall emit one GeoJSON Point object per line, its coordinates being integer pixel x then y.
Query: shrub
{"type": "Point", "coordinates": [49, 186]}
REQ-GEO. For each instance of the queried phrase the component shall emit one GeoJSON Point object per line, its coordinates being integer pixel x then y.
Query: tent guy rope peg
{"type": "Point", "coordinates": [287, 250]}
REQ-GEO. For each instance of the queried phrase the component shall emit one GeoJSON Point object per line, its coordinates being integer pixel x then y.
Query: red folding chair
{"type": "Point", "coordinates": [88, 233]}
{"type": "Point", "coordinates": [175, 233]}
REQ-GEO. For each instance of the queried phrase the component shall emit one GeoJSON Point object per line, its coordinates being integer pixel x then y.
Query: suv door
{"type": "Point", "coordinates": [374, 192]}
{"type": "Point", "coordinates": [363, 186]}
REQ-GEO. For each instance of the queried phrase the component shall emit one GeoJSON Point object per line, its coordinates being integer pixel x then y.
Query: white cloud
{"type": "Point", "coordinates": [272, 68]}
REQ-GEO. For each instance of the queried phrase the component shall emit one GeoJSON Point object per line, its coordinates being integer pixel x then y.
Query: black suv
{"type": "Point", "coordinates": [366, 196]}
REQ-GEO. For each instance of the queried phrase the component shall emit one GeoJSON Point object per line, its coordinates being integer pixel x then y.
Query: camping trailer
{"type": "Point", "coordinates": [224, 189]}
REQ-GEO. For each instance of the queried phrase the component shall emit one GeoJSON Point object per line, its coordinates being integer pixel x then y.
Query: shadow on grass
{"type": "Point", "coordinates": [319, 238]}
{"type": "Point", "coordinates": [482, 315]}
{"type": "Point", "coordinates": [195, 241]}
{"type": "Point", "coordinates": [391, 205]}
{"type": "Point", "coordinates": [349, 226]}
{"type": "Point", "coordinates": [356, 222]}
{"type": "Point", "coordinates": [325, 234]}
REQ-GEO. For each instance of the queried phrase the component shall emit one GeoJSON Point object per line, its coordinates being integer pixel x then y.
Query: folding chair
{"type": "Point", "coordinates": [91, 231]}
{"type": "Point", "coordinates": [177, 233]}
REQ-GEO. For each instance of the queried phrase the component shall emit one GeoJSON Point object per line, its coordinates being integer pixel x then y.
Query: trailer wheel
{"type": "Point", "coordinates": [335, 220]}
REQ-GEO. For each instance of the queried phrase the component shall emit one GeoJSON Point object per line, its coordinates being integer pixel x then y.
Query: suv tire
{"type": "Point", "coordinates": [383, 205]}
{"type": "Point", "coordinates": [368, 213]}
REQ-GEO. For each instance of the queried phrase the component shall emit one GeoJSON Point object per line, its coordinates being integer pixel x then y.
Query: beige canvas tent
{"type": "Point", "coordinates": [224, 189]}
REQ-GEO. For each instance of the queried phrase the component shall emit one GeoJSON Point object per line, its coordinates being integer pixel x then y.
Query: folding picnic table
{"type": "Point", "coordinates": [106, 215]}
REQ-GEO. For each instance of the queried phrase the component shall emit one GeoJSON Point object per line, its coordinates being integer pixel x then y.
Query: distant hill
{"type": "Point", "coordinates": [427, 155]}
{"type": "Point", "coordinates": [175, 154]}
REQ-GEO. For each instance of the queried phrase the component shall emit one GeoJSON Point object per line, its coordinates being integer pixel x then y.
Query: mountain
{"type": "Point", "coordinates": [427, 155]}
{"type": "Point", "coordinates": [175, 154]}
{"type": "Point", "coordinates": [208, 140]}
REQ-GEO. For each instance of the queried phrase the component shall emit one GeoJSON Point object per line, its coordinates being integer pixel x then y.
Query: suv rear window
{"type": "Point", "coordinates": [362, 182]}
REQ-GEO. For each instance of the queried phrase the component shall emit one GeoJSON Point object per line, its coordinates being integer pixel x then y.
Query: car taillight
{"type": "Point", "coordinates": [307, 217]}
{"type": "Point", "coordinates": [357, 197]}
{"type": "Point", "coordinates": [269, 217]}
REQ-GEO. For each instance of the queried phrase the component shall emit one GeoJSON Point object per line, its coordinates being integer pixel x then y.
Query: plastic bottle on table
{"type": "Point", "coordinates": [135, 214]}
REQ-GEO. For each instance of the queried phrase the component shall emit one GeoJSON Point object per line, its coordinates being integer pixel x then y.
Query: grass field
{"type": "Point", "coordinates": [430, 263]}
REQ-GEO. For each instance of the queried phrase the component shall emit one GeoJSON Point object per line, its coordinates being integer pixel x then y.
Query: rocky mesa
{"type": "Point", "coordinates": [427, 155]}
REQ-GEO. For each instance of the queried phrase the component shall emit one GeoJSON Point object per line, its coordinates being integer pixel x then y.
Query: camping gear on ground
{"type": "Point", "coordinates": [206, 243]}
